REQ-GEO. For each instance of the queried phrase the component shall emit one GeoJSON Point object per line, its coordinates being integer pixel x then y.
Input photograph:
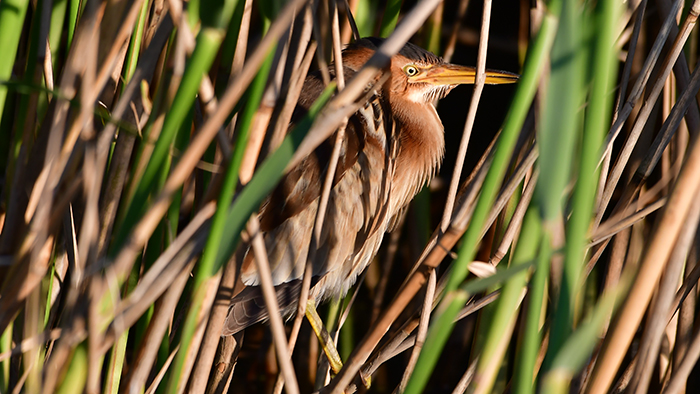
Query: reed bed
{"type": "Point", "coordinates": [557, 251]}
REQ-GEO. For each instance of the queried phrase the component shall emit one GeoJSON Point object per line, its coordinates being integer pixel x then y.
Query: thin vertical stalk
{"type": "Point", "coordinates": [284, 357]}
{"type": "Point", "coordinates": [480, 79]}
{"type": "Point", "coordinates": [12, 14]}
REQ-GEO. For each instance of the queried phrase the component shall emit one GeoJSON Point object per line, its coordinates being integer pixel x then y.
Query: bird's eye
{"type": "Point", "coordinates": [411, 70]}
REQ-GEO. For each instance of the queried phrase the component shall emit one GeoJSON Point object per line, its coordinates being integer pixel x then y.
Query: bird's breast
{"type": "Point", "coordinates": [420, 151]}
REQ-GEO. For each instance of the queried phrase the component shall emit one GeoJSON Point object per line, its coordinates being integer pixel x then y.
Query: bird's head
{"type": "Point", "coordinates": [419, 76]}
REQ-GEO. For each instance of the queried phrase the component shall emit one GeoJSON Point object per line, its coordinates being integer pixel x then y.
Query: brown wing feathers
{"type": "Point", "coordinates": [288, 215]}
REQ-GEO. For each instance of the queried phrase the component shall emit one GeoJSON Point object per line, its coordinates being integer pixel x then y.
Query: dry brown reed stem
{"type": "Point", "coordinates": [157, 328]}
{"type": "Point", "coordinates": [654, 330]}
{"type": "Point", "coordinates": [680, 375]}
{"type": "Point", "coordinates": [476, 305]}
{"type": "Point", "coordinates": [279, 337]}
{"type": "Point", "coordinates": [663, 138]}
{"type": "Point", "coordinates": [641, 121]}
{"type": "Point", "coordinates": [616, 224]}
{"type": "Point", "coordinates": [264, 112]}
{"type": "Point", "coordinates": [466, 379]}
{"type": "Point", "coordinates": [422, 330]}
{"type": "Point", "coordinates": [125, 142]}
{"type": "Point", "coordinates": [278, 93]}
{"type": "Point", "coordinates": [681, 70]}
{"type": "Point", "coordinates": [653, 262]}
{"type": "Point", "coordinates": [653, 155]}
{"type": "Point", "coordinates": [403, 340]}
{"type": "Point", "coordinates": [174, 65]}
{"type": "Point", "coordinates": [19, 386]}
{"type": "Point", "coordinates": [31, 327]}
{"type": "Point", "coordinates": [211, 286]}
{"type": "Point", "coordinates": [32, 343]}
{"type": "Point", "coordinates": [689, 283]}
{"type": "Point", "coordinates": [227, 353]}
{"type": "Point", "coordinates": [91, 86]}
{"type": "Point", "coordinates": [125, 28]}
{"type": "Point", "coordinates": [479, 82]}
{"type": "Point", "coordinates": [521, 170]}
{"type": "Point", "coordinates": [238, 61]}
{"type": "Point", "coordinates": [686, 307]}
{"type": "Point", "coordinates": [332, 164]}
{"type": "Point", "coordinates": [159, 377]}
{"type": "Point", "coordinates": [340, 133]}
{"type": "Point", "coordinates": [236, 66]}
{"type": "Point", "coordinates": [73, 330]}
{"type": "Point", "coordinates": [387, 264]}
{"type": "Point", "coordinates": [215, 324]}
{"type": "Point", "coordinates": [225, 135]}
{"type": "Point", "coordinates": [295, 86]}
{"type": "Point", "coordinates": [143, 230]}
{"type": "Point", "coordinates": [163, 272]}
{"type": "Point", "coordinates": [638, 88]}
{"type": "Point", "coordinates": [319, 12]}
{"type": "Point", "coordinates": [516, 220]}
{"type": "Point", "coordinates": [63, 349]}
{"type": "Point", "coordinates": [48, 70]}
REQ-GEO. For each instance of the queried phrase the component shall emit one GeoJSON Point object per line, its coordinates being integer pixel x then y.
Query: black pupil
{"type": "Point", "coordinates": [411, 71]}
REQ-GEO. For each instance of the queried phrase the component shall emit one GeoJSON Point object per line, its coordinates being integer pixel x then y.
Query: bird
{"type": "Point", "coordinates": [392, 146]}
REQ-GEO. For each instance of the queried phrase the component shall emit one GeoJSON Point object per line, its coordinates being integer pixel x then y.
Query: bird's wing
{"type": "Point", "coordinates": [356, 216]}
{"type": "Point", "coordinates": [249, 307]}
{"type": "Point", "coordinates": [355, 209]}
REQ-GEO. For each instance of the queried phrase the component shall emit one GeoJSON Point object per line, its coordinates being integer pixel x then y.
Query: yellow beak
{"type": "Point", "coordinates": [452, 74]}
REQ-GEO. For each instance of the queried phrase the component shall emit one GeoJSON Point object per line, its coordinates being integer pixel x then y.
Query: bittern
{"type": "Point", "coordinates": [393, 145]}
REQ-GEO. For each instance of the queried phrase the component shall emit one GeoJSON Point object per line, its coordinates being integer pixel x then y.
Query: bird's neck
{"type": "Point", "coordinates": [422, 146]}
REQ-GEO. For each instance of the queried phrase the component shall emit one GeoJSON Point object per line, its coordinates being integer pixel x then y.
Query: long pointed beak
{"type": "Point", "coordinates": [453, 74]}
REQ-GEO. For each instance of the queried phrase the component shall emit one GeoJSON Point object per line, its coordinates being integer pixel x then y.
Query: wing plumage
{"type": "Point", "coordinates": [356, 217]}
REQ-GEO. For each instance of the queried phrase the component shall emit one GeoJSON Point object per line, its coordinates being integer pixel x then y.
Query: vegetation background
{"type": "Point", "coordinates": [556, 252]}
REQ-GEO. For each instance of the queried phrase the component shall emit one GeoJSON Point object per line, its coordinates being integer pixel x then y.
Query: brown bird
{"type": "Point", "coordinates": [392, 147]}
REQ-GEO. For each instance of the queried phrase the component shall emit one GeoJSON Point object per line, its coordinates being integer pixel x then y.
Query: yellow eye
{"type": "Point", "coordinates": [411, 70]}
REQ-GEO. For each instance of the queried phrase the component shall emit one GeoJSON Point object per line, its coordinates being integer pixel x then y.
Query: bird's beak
{"type": "Point", "coordinates": [452, 74]}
